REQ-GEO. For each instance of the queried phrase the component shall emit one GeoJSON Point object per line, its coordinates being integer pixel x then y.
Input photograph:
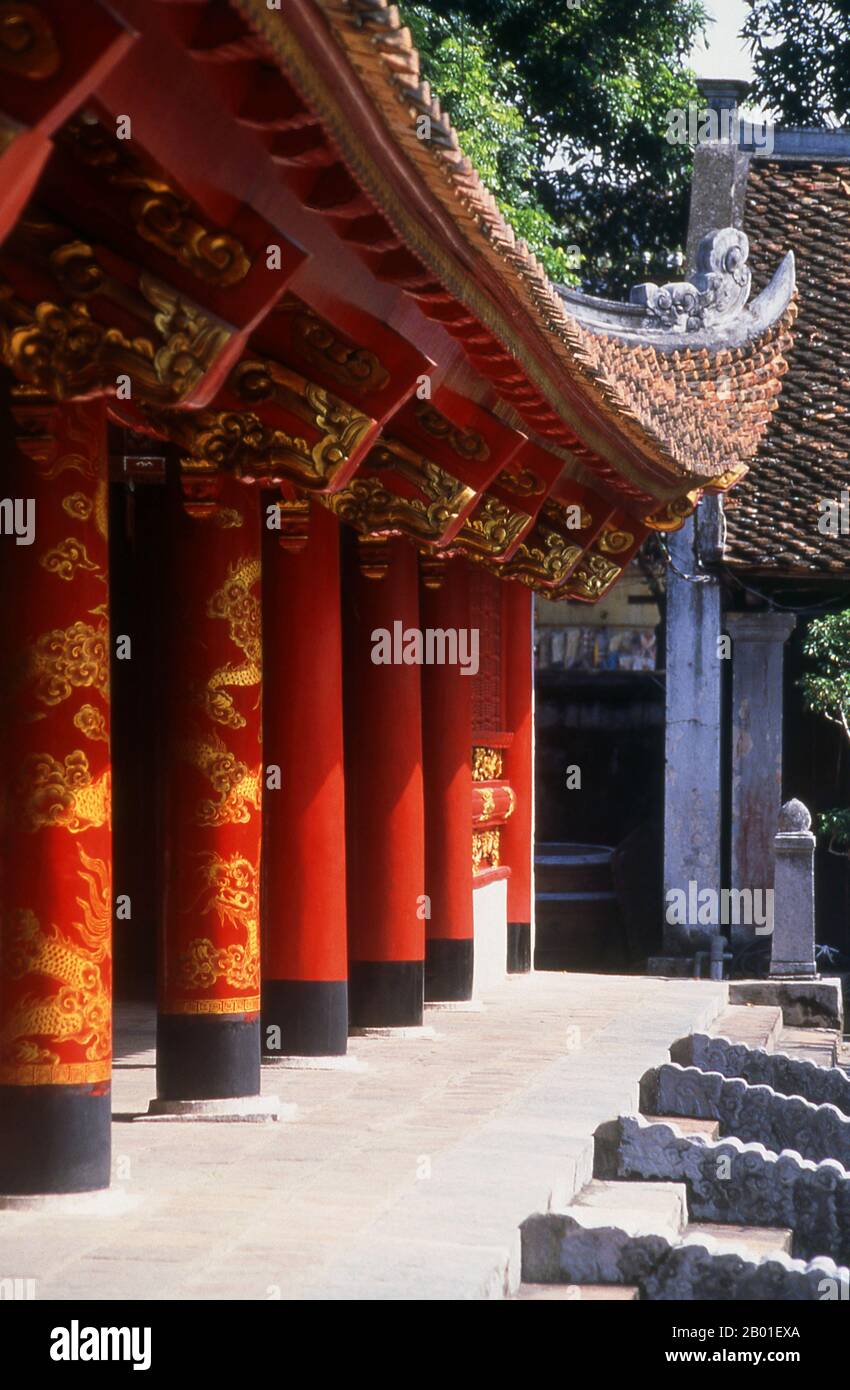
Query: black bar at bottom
{"type": "Point", "coordinates": [519, 948]}
{"type": "Point", "coordinates": [448, 969]}
{"type": "Point", "coordinates": [386, 993]}
{"type": "Point", "coordinates": [205, 1057]}
{"type": "Point", "coordinates": [312, 1016]}
{"type": "Point", "coordinates": [54, 1139]}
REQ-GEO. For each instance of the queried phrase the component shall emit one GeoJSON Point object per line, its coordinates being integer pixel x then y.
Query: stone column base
{"type": "Point", "coordinates": [414, 1031]}
{"type": "Point", "coordinates": [107, 1201]}
{"type": "Point", "coordinates": [454, 1006]}
{"type": "Point", "coordinates": [336, 1062]}
{"type": "Point", "coordinates": [235, 1109]}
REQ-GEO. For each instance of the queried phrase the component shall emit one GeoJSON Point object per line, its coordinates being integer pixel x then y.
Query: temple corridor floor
{"type": "Point", "coordinates": [406, 1180]}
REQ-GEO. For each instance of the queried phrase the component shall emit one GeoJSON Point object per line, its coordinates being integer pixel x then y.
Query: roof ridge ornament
{"type": "Point", "coordinates": [717, 291]}
{"type": "Point", "coordinates": [712, 309]}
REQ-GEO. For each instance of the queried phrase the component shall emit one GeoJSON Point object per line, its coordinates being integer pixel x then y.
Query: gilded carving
{"type": "Point", "coordinates": [63, 793]}
{"type": "Point", "coordinates": [163, 218]}
{"type": "Point", "coordinates": [69, 658]}
{"type": "Point", "coordinates": [91, 722]}
{"type": "Point", "coordinates": [63, 351]}
{"type": "Point", "coordinates": [230, 891]}
{"type": "Point", "coordinates": [228, 519]}
{"type": "Point", "coordinates": [613, 542]}
{"type": "Point", "coordinates": [488, 804]}
{"type": "Point", "coordinates": [370, 506]}
{"type": "Point", "coordinates": [237, 604]}
{"type": "Point", "coordinates": [67, 558]}
{"type": "Point", "coordinates": [432, 480]}
{"type": "Point", "coordinates": [160, 214]}
{"type": "Point", "coordinates": [563, 513]}
{"type": "Point", "coordinates": [191, 340]}
{"type": "Point", "coordinates": [28, 46]}
{"type": "Point", "coordinates": [493, 528]}
{"type": "Point", "coordinates": [77, 1010]}
{"type": "Point", "coordinates": [239, 441]}
{"type": "Point", "coordinates": [672, 517]}
{"type": "Point", "coordinates": [467, 444]}
{"type": "Point", "coordinates": [523, 484]}
{"type": "Point", "coordinates": [77, 506]}
{"type": "Point", "coordinates": [237, 787]}
{"type": "Point", "coordinates": [349, 364]}
{"type": "Point", "coordinates": [486, 848]}
{"type": "Point", "coordinates": [486, 764]}
{"type": "Point", "coordinates": [550, 560]}
{"type": "Point", "coordinates": [342, 429]}
{"type": "Point", "coordinates": [592, 579]}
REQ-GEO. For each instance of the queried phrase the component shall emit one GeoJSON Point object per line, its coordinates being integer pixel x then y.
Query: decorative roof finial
{"type": "Point", "coordinates": [716, 292]}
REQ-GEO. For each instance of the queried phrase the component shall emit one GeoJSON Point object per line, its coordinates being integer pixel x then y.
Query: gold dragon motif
{"type": "Point", "coordinates": [78, 1011]}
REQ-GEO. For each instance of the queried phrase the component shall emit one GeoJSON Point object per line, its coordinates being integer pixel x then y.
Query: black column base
{"type": "Point", "coordinates": [448, 969]}
{"type": "Point", "coordinates": [54, 1139]}
{"type": "Point", "coordinates": [312, 1016]}
{"type": "Point", "coordinates": [207, 1056]}
{"type": "Point", "coordinates": [386, 993]}
{"type": "Point", "coordinates": [519, 948]}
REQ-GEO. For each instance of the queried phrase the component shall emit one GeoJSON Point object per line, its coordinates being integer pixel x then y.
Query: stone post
{"type": "Point", "coordinates": [692, 794]}
{"type": "Point", "coordinates": [793, 944]}
{"type": "Point", "coordinates": [758, 640]}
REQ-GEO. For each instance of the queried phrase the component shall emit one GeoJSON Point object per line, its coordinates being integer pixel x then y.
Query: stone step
{"type": "Point", "coordinates": [757, 1025]}
{"type": "Point", "coordinates": [687, 1124]}
{"type": "Point", "coordinates": [818, 1045]}
{"type": "Point", "coordinates": [755, 1241]}
{"type": "Point", "coordinates": [564, 1259]}
{"type": "Point", "coordinates": [633, 1207]}
{"type": "Point", "coordinates": [790, 1076]}
{"type": "Point", "coordinates": [735, 1182]}
{"type": "Point", "coordinates": [577, 1293]}
{"type": "Point", "coordinates": [756, 1114]}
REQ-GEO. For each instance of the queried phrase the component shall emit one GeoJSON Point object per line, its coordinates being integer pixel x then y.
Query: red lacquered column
{"type": "Point", "coordinates": [55, 842]}
{"type": "Point", "coordinates": [446, 751]}
{"type": "Point", "coordinates": [518, 833]}
{"type": "Point", "coordinates": [305, 991]}
{"type": "Point", "coordinates": [385, 829]}
{"type": "Point", "coordinates": [208, 1031]}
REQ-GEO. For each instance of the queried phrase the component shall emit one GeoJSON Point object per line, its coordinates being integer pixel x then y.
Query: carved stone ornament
{"type": "Point", "coordinates": [717, 291]}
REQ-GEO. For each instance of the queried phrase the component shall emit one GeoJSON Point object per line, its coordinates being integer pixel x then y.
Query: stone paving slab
{"type": "Point", "coordinates": [407, 1180]}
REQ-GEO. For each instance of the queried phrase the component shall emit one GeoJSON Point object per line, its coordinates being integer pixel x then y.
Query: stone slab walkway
{"type": "Point", "coordinates": [407, 1180]}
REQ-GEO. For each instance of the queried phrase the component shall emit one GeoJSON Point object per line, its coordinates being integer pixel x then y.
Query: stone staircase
{"type": "Point", "coordinates": [726, 1186]}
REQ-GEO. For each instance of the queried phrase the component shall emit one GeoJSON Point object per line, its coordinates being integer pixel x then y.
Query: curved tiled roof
{"type": "Point", "coordinates": [772, 519]}
{"type": "Point", "coordinates": [694, 411]}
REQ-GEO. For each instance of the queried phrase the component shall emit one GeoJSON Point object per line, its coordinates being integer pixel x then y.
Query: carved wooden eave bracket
{"type": "Point", "coordinates": [602, 381]}
{"type": "Point", "coordinates": [539, 435]}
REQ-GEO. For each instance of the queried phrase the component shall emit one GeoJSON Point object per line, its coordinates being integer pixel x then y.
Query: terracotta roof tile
{"type": "Point", "coordinates": [772, 516]}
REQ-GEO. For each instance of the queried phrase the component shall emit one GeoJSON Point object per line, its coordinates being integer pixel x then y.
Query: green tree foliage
{"type": "Point", "coordinates": [563, 107]}
{"type": "Point", "coordinates": [801, 59]}
{"type": "Point", "coordinates": [826, 690]}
